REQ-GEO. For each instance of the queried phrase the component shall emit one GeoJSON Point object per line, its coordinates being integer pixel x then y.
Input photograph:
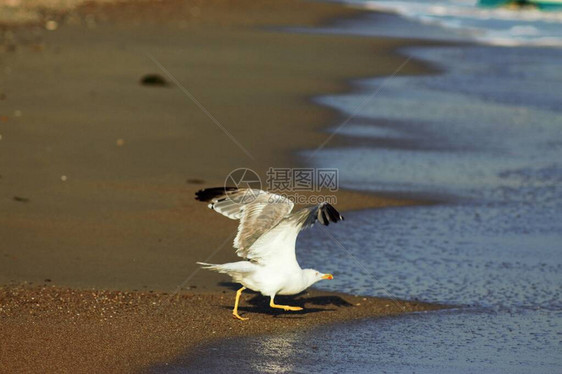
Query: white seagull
{"type": "Point", "coordinates": [266, 239]}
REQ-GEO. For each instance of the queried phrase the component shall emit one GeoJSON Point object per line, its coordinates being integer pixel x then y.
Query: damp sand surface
{"type": "Point", "coordinates": [49, 328]}
{"type": "Point", "coordinates": [98, 171]}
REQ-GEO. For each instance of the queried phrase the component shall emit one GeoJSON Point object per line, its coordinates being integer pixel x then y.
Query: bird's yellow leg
{"type": "Point", "coordinates": [284, 307]}
{"type": "Point", "coordinates": [235, 310]}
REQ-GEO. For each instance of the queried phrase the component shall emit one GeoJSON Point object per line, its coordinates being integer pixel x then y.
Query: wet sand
{"type": "Point", "coordinates": [98, 172]}
{"type": "Point", "coordinates": [53, 329]}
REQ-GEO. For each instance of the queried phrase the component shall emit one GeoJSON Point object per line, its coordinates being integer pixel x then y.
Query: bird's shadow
{"type": "Point", "coordinates": [260, 304]}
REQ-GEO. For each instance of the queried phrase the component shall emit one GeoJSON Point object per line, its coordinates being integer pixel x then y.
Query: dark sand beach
{"type": "Point", "coordinates": [53, 329]}
{"type": "Point", "coordinates": [98, 172]}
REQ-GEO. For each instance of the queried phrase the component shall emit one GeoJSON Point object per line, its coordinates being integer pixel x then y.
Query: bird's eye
{"type": "Point", "coordinates": [317, 273]}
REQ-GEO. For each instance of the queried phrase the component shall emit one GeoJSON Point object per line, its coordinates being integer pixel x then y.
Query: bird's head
{"type": "Point", "coordinates": [312, 276]}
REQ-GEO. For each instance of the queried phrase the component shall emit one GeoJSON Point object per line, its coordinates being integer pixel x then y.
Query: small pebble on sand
{"type": "Point", "coordinates": [120, 142]}
{"type": "Point", "coordinates": [63, 178]}
{"type": "Point", "coordinates": [153, 80]}
{"type": "Point", "coordinates": [51, 25]}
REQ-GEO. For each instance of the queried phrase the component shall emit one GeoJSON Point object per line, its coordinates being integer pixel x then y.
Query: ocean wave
{"type": "Point", "coordinates": [496, 26]}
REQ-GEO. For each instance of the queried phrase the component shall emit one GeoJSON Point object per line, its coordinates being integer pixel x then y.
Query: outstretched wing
{"type": "Point", "coordinates": [257, 210]}
{"type": "Point", "coordinates": [278, 244]}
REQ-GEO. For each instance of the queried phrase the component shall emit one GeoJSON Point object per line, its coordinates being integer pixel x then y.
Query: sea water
{"type": "Point", "coordinates": [482, 140]}
{"type": "Point", "coordinates": [455, 20]}
{"type": "Point", "coordinates": [486, 136]}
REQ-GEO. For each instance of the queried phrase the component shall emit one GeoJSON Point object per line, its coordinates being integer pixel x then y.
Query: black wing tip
{"type": "Point", "coordinates": [208, 194]}
{"type": "Point", "coordinates": [327, 213]}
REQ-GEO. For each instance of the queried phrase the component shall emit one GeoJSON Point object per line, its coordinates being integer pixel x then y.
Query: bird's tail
{"type": "Point", "coordinates": [234, 269]}
{"type": "Point", "coordinates": [214, 267]}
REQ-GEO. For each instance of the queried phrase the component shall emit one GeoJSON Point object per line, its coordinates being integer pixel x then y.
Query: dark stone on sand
{"type": "Point", "coordinates": [21, 199]}
{"type": "Point", "coordinates": [153, 80]}
{"type": "Point", "coordinates": [195, 181]}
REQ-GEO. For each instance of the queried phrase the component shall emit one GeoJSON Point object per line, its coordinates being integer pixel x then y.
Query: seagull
{"type": "Point", "coordinates": [266, 240]}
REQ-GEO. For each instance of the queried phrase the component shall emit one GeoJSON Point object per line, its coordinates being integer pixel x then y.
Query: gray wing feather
{"type": "Point", "coordinates": [267, 230]}
{"type": "Point", "coordinates": [278, 244]}
{"type": "Point", "coordinates": [258, 218]}
{"type": "Point", "coordinates": [257, 210]}
{"type": "Point", "coordinates": [323, 213]}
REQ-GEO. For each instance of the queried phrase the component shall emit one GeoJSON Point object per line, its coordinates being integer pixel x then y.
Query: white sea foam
{"type": "Point", "coordinates": [495, 26]}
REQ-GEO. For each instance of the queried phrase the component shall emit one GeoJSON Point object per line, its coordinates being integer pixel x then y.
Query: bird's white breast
{"type": "Point", "coordinates": [272, 280]}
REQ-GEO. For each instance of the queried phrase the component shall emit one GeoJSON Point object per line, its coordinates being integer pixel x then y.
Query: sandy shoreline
{"type": "Point", "coordinates": [97, 173]}
{"type": "Point", "coordinates": [54, 329]}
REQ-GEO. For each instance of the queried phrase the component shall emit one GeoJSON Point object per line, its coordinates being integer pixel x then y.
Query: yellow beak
{"type": "Point", "coordinates": [327, 276]}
